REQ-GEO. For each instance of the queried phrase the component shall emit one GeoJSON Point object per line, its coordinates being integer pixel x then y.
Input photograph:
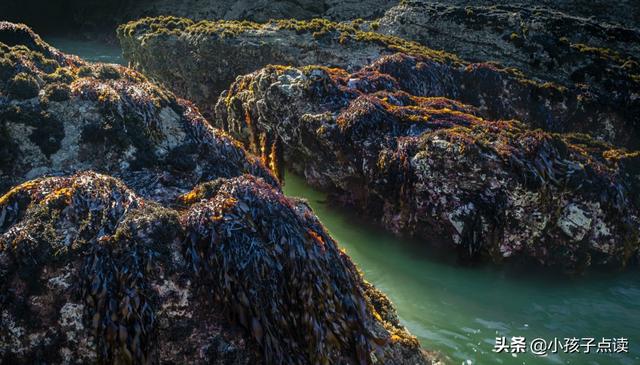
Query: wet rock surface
{"type": "Point", "coordinates": [263, 10]}
{"type": "Point", "coordinates": [543, 42]}
{"type": "Point", "coordinates": [206, 56]}
{"type": "Point", "coordinates": [239, 274]}
{"type": "Point", "coordinates": [430, 166]}
{"type": "Point", "coordinates": [187, 253]}
{"type": "Point", "coordinates": [626, 12]}
{"type": "Point", "coordinates": [59, 114]}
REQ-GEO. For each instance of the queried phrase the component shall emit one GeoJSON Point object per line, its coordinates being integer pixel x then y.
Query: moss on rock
{"type": "Point", "coordinates": [178, 52]}
{"type": "Point", "coordinates": [98, 269]}
{"type": "Point", "coordinates": [57, 92]}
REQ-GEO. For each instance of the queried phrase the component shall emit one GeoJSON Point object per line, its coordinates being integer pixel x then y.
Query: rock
{"type": "Point", "coordinates": [59, 114]}
{"type": "Point", "coordinates": [198, 60]}
{"type": "Point", "coordinates": [91, 272]}
{"type": "Point", "coordinates": [579, 53]}
{"type": "Point", "coordinates": [261, 10]}
{"type": "Point", "coordinates": [542, 42]}
{"type": "Point", "coordinates": [499, 94]}
{"type": "Point", "coordinates": [626, 12]}
{"type": "Point", "coordinates": [94, 16]}
{"type": "Point", "coordinates": [575, 222]}
{"type": "Point", "coordinates": [432, 167]}
{"type": "Point", "coordinates": [145, 267]}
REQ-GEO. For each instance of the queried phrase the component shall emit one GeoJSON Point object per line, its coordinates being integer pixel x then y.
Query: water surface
{"type": "Point", "coordinates": [89, 50]}
{"type": "Point", "coordinates": [459, 310]}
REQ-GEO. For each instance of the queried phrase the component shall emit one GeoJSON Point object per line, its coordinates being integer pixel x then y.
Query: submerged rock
{"type": "Point", "coordinates": [59, 114]}
{"type": "Point", "coordinates": [92, 273]}
{"type": "Point", "coordinates": [198, 60]}
{"type": "Point", "coordinates": [425, 165]}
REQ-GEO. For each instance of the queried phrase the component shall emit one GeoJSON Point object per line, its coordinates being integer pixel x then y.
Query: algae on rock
{"type": "Point", "coordinates": [198, 60]}
{"type": "Point", "coordinates": [424, 165]}
{"type": "Point", "coordinates": [60, 114]}
{"type": "Point", "coordinates": [91, 272]}
{"type": "Point", "coordinates": [143, 266]}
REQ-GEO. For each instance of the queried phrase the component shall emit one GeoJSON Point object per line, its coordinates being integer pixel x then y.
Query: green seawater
{"type": "Point", "coordinates": [88, 50]}
{"type": "Point", "coordinates": [459, 310]}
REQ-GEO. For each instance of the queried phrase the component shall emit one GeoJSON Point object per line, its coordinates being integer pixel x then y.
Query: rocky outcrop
{"type": "Point", "coordinates": [262, 10]}
{"type": "Point", "coordinates": [197, 60]}
{"type": "Point", "coordinates": [432, 167]}
{"type": "Point", "coordinates": [145, 266]}
{"type": "Point", "coordinates": [95, 16]}
{"type": "Point", "coordinates": [59, 114]}
{"type": "Point", "coordinates": [625, 12]}
{"type": "Point", "coordinates": [543, 43]}
{"type": "Point", "coordinates": [93, 273]}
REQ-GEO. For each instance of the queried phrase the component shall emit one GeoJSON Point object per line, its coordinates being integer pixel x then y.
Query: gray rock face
{"type": "Point", "coordinates": [97, 17]}
{"type": "Point", "coordinates": [585, 55]}
{"type": "Point", "coordinates": [544, 43]}
{"type": "Point", "coordinates": [261, 10]}
{"type": "Point", "coordinates": [431, 167]}
{"type": "Point", "coordinates": [624, 12]}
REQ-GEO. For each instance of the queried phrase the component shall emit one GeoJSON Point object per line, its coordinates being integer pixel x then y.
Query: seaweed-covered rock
{"type": "Point", "coordinates": [605, 115]}
{"type": "Point", "coordinates": [425, 165]}
{"type": "Point", "coordinates": [142, 268]}
{"type": "Point", "coordinates": [199, 59]}
{"type": "Point", "coordinates": [262, 10]}
{"type": "Point", "coordinates": [237, 274]}
{"type": "Point", "coordinates": [538, 40]}
{"type": "Point", "coordinates": [59, 114]}
{"type": "Point", "coordinates": [96, 16]}
{"type": "Point", "coordinates": [542, 42]}
{"type": "Point", "coordinates": [625, 12]}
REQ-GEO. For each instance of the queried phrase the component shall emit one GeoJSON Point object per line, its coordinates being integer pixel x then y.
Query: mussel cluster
{"type": "Point", "coordinates": [254, 258]}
